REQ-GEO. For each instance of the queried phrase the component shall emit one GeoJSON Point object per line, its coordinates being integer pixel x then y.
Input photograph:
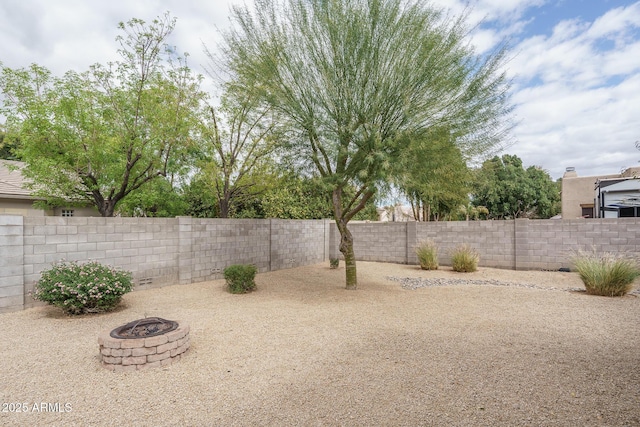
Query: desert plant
{"type": "Point", "coordinates": [240, 278]}
{"type": "Point", "coordinates": [82, 288]}
{"type": "Point", "coordinates": [334, 263]}
{"type": "Point", "coordinates": [606, 274]}
{"type": "Point", "coordinates": [464, 258]}
{"type": "Point", "coordinates": [427, 253]}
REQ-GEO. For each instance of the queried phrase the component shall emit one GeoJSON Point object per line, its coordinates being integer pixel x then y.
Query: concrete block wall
{"type": "Point", "coordinates": [185, 250]}
{"type": "Point", "coordinates": [550, 244]}
{"type": "Point", "coordinates": [375, 241]}
{"type": "Point", "coordinates": [296, 243]}
{"type": "Point", "coordinates": [494, 240]}
{"type": "Point", "coordinates": [147, 247]}
{"type": "Point", "coordinates": [158, 251]}
{"type": "Point", "coordinates": [11, 261]}
{"type": "Point", "coordinates": [216, 244]}
{"type": "Point", "coordinates": [520, 244]}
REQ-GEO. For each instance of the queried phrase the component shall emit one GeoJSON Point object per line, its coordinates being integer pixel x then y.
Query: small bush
{"type": "Point", "coordinates": [606, 274]}
{"type": "Point", "coordinates": [464, 259]}
{"type": "Point", "coordinates": [427, 252]}
{"type": "Point", "coordinates": [82, 288]}
{"type": "Point", "coordinates": [240, 278]}
{"type": "Point", "coordinates": [334, 263]}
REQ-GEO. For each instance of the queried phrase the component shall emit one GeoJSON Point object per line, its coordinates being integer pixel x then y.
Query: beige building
{"type": "Point", "coordinates": [583, 197]}
{"type": "Point", "coordinates": [396, 213]}
{"type": "Point", "coordinates": [16, 199]}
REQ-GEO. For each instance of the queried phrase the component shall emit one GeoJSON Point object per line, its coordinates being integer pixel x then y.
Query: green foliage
{"type": "Point", "coordinates": [427, 252]}
{"type": "Point", "coordinates": [334, 263]}
{"type": "Point", "coordinates": [240, 278]}
{"type": "Point", "coordinates": [9, 148]}
{"type": "Point", "coordinates": [158, 199]}
{"type": "Point", "coordinates": [82, 288]}
{"type": "Point", "coordinates": [95, 137]}
{"type": "Point", "coordinates": [507, 190]}
{"type": "Point", "coordinates": [200, 199]}
{"type": "Point", "coordinates": [294, 197]}
{"type": "Point", "coordinates": [606, 274]}
{"type": "Point", "coordinates": [433, 175]}
{"type": "Point", "coordinates": [471, 212]}
{"type": "Point", "coordinates": [464, 259]}
{"type": "Point", "coordinates": [357, 80]}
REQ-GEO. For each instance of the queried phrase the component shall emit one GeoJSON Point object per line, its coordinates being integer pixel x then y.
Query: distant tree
{"type": "Point", "coordinates": [295, 197]}
{"type": "Point", "coordinates": [238, 141]}
{"type": "Point", "coordinates": [433, 176]}
{"type": "Point", "coordinates": [355, 78]}
{"type": "Point", "coordinates": [96, 137]}
{"type": "Point", "coordinates": [8, 148]}
{"type": "Point", "coordinates": [200, 199]}
{"type": "Point", "coordinates": [470, 212]}
{"type": "Point", "coordinates": [298, 197]}
{"type": "Point", "coordinates": [160, 198]}
{"type": "Point", "coordinates": [507, 190]}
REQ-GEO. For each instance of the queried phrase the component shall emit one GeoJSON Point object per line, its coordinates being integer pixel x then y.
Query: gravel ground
{"type": "Point", "coordinates": [491, 348]}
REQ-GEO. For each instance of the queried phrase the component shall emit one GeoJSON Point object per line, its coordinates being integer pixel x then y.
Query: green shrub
{"type": "Point", "coordinates": [464, 259]}
{"type": "Point", "coordinates": [334, 263]}
{"type": "Point", "coordinates": [606, 274]}
{"type": "Point", "coordinates": [240, 278]}
{"type": "Point", "coordinates": [427, 252]}
{"type": "Point", "coordinates": [82, 288]}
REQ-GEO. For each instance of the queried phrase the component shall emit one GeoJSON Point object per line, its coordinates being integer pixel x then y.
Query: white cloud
{"type": "Point", "coordinates": [577, 95]}
{"type": "Point", "coordinates": [577, 90]}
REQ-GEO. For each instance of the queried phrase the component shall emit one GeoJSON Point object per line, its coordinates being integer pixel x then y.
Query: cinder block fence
{"type": "Point", "coordinates": [183, 250]}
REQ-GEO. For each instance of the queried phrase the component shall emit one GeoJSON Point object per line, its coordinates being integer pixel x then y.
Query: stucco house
{"type": "Point", "coordinates": [605, 196]}
{"type": "Point", "coordinates": [16, 199]}
{"type": "Point", "coordinates": [396, 213]}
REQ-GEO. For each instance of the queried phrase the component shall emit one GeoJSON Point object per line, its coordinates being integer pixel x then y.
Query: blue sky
{"type": "Point", "coordinates": [575, 64]}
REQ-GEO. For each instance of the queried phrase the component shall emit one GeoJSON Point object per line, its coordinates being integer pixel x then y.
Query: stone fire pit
{"type": "Point", "coordinates": [143, 343]}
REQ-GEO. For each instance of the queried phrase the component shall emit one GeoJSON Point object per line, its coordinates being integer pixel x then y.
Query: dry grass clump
{"type": "Point", "coordinates": [427, 253]}
{"type": "Point", "coordinates": [606, 274]}
{"type": "Point", "coordinates": [464, 259]}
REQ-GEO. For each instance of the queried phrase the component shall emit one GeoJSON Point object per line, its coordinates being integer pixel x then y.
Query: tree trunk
{"type": "Point", "coordinates": [106, 208]}
{"type": "Point", "coordinates": [346, 247]}
{"type": "Point", "coordinates": [109, 210]}
{"type": "Point", "coordinates": [223, 204]}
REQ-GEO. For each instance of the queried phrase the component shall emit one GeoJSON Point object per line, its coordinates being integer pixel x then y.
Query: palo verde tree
{"type": "Point", "coordinates": [358, 80]}
{"type": "Point", "coordinates": [97, 136]}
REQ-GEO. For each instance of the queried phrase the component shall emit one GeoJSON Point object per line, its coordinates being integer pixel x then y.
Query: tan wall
{"type": "Point", "coordinates": [79, 212]}
{"type": "Point", "coordinates": [20, 207]}
{"type": "Point", "coordinates": [576, 192]}
{"type": "Point", "coordinates": [26, 208]}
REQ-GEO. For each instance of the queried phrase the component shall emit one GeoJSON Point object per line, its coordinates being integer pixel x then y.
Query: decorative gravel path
{"type": "Point", "coordinates": [413, 283]}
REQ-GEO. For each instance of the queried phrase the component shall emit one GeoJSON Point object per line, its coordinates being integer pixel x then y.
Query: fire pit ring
{"type": "Point", "coordinates": [144, 343]}
{"type": "Point", "coordinates": [143, 328]}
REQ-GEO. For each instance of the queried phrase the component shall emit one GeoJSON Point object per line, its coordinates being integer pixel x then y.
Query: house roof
{"type": "Point", "coordinates": [12, 183]}
{"type": "Point", "coordinates": [619, 184]}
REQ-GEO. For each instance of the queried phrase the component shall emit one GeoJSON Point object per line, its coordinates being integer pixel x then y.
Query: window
{"type": "Point", "coordinates": [629, 212]}
{"type": "Point", "coordinates": [587, 212]}
{"type": "Point", "coordinates": [67, 212]}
